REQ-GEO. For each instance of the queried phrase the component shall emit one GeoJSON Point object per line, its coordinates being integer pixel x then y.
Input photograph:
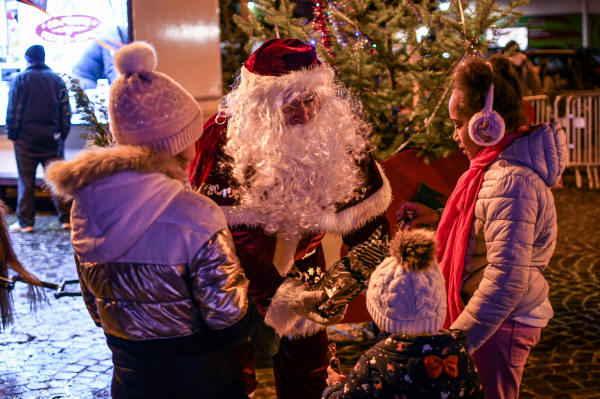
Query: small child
{"type": "Point", "coordinates": [412, 359]}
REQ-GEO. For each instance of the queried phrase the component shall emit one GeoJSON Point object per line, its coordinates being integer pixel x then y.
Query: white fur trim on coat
{"type": "Point", "coordinates": [66, 177]}
{"type": "Point", "coordinates": [297, 81]}
{"type": "Point", "coordinates": [343, 222]}
{"type": "Point", "coordinates": [285, 249]}
{"type": "Point", "coordinates": [281, 317]}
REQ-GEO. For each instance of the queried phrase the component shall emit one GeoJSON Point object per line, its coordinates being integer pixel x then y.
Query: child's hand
{"type": "Point", "coordinates": [334, 377]}
{"type": "Point", "coordinates": [425, 215]}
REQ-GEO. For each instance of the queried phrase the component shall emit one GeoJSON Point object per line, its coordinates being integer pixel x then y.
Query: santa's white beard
{"type": "Point", "coordinates": [299, 172]}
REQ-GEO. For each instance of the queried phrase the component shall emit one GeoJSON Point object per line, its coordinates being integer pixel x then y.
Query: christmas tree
{"type": "Point", "coordinates": [396, 56]}
{"type": "Point", "coordinates": [233, 51]}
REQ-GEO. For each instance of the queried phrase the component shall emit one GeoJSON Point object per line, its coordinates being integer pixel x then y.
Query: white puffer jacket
{"type": "Point", "coordinates": [513, 234]}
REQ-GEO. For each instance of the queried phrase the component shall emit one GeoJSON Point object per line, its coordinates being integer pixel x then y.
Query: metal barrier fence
{"type": "Point", "coordinates": [542, 107]}
{"type": "Point", "coordinates": [579, 115]}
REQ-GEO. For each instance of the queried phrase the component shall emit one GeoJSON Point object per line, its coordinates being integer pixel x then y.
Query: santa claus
{"type": "Point", "coordinates": [287, 158]}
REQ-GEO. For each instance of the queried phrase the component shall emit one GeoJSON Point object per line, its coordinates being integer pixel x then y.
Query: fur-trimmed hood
{"type": "Point", "coordinates": [118, 194]}
{"type": "Point", "coordinates": [66, 177]}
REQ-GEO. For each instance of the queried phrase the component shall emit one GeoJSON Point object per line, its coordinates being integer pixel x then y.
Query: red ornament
{"type": "Point", "coordinates": [320, 23]}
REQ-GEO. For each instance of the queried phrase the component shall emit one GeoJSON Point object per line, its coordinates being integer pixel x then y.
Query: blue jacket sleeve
{"type": "Point", "coordinates": [14, 112]}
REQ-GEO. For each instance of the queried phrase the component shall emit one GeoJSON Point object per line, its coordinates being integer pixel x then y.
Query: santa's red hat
{"type": "Point", "coordinates": [284, 65]}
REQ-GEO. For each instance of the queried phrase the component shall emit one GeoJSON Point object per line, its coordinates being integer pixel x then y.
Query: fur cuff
{"type": "Point", "coordinates": [281, 317]}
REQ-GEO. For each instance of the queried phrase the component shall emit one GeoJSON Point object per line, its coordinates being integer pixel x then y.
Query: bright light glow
{"type": "Point", "coordinates": [444, 5]}
{"type": "Point", "coordinates": [317, 4]}
{"type": "Point", "coordinates": [422, 32]}
{"type": "Point", "coordinates": [374, 45]}
{"type": "Point", "coordinates": [519, 35]}
{"type": "Point", "coordinates": [251, 5]}
{"type": "Point", "coordinates": [446, 55]}
{"type": "Point", "coordinates": [312, 42]}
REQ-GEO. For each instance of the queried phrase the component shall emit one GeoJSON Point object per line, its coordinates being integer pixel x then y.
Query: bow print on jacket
{"type": "Point", "coordinates": [435, 365]}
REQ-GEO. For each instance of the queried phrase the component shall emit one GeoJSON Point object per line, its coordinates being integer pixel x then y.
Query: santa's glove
{"type": "Point", "coordinates": [307, 307]}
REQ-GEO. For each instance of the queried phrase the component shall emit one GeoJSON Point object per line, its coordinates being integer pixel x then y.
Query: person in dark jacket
{"type": "Point", "coordinates": [156, 262]}
{"type": "Point", "coordinates": [38, 120]}
{"type": "Point", "coordinates": [412, 358]}
{"type": "Point", "coordinates": [96, 62]}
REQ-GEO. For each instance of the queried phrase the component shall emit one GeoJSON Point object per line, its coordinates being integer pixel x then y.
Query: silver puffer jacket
{"type": "Point", "coordinates": [513, 234]}
{"type": "Point", "coordinates": [155, 260]}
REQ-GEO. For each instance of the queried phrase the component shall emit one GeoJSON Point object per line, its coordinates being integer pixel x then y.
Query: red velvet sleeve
{"type": "Point", "coordinates": [208, 149]}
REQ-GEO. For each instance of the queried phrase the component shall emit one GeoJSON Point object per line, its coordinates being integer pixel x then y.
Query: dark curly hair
{"type": "Point", "coordinates": [472, 80]}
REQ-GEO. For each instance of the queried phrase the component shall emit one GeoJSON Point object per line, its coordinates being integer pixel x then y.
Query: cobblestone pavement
{"type": "Point", "coordinates": [59, 353]}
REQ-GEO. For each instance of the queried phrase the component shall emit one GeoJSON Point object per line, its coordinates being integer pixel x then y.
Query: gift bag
{"type": "Point", "coordinates": [343, 281]}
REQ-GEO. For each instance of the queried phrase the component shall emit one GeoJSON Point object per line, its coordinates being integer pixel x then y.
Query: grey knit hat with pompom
{"type": "Point", "coordinates": [148, 108]}
{"type": "Point", "coordinates": [406, 292]}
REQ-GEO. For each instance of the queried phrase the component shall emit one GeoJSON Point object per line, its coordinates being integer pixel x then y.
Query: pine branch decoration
{"type": "Point", "coordinates": [97, 129]}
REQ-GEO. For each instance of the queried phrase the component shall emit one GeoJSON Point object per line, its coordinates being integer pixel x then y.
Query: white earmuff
{"type": "Point", "coordinates": [487, 127]}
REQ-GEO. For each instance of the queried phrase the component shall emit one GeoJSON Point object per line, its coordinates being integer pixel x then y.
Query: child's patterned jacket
{"type": "Point", "coordinates": [413, 367]}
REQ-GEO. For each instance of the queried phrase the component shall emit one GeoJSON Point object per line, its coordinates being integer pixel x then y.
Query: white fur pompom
{"type": "Point", "coordinates": [135, 57]}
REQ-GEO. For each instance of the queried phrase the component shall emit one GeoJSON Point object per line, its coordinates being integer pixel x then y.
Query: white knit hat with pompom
{"type": "Point", "coordinates": [148, 108]}
{"type": "Point", "coordinates": [406, 293]}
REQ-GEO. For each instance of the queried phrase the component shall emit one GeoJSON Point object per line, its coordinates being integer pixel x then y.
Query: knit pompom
{"type": "Point", "coordinates": [414, 249]}
{"type": "Point", "coordinates": [135, 57]}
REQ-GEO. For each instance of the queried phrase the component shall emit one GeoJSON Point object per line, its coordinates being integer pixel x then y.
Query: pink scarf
{"type": "Point", "coordinates": [454, 227]}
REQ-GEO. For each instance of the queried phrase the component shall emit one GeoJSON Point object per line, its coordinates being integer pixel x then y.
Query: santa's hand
{"type": "Point", "coordinates": [307, 308]}
{"type": "Point", "coordinates": [333, 377]}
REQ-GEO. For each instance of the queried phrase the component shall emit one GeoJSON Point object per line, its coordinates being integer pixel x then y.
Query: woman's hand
{"type": "Point", "coordinates": [334, 377]}
{"type": "Point", "coordinates": [424, 214]}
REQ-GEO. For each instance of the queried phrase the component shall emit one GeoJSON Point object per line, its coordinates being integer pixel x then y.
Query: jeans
{"type": "Point", "coordinates": [26, 166]}
{"type": "Point", "coordinates": [501, 359]}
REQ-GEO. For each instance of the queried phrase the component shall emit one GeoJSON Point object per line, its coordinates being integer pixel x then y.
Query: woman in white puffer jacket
{"type": "Point", "coordinates": [498, 230]}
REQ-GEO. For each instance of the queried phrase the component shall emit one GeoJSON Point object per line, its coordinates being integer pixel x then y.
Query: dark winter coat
{"type": "Point", "coordinates": [158, 272]}
{"type": "Point", "coordinates": [395, 369]}
{"type": "Point", "coordinates": [38, 117]}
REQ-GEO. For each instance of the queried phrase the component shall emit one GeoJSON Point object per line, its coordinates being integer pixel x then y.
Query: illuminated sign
{"type": "Point", "coordinates": [68, 29]}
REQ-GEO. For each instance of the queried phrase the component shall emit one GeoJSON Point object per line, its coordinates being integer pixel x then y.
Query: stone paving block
{"type": "Point", "coordinates": [16, 382]}
{"type": "Point", "coordinates": [65, 376]}
{"type": "Point", "coordinates": [14, 390]}
{"type": "Point", "coordinates": [567, 386]}
{"type": "Point", "coordinates": [73, 368]}
{"type": "Point", "coordinates": [37, 385]}
{"type": "Point", "coordinates": [526, 395]}
{"type": "Point", "coordinates": [593, 383]}
{"type": "Point", "coordinates": [555, 378]}
{"type": "Point", "coordinates": [30, 395]}
{"type": "Point", "coordinates": [88, 374]}
{"type": "Point", "coordinates": [588, 367]}
{"type": "Point", "coordinates": [57, 383]}
{"type": "Point", "coordinates": [98, 368]}
{"type": "Point", "coordinates": [87, 362]}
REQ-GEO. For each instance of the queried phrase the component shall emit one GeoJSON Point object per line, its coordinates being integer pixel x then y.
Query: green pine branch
{"type": "Point", "coordinates": [96, 130]}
